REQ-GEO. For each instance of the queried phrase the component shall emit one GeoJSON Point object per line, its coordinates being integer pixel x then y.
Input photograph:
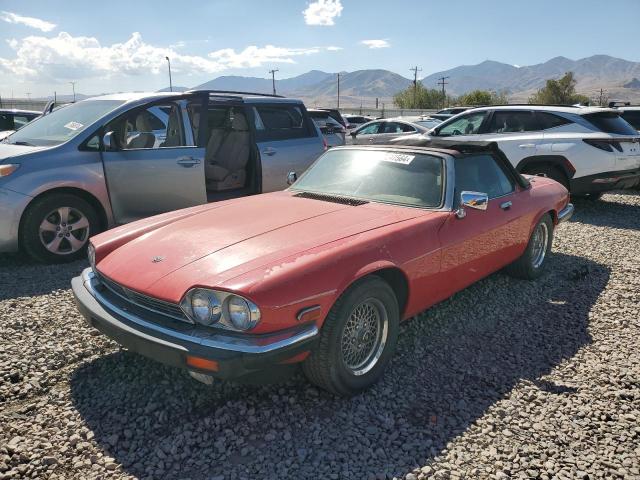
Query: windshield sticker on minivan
{"type": "Point", "coordinates": [73, 126]}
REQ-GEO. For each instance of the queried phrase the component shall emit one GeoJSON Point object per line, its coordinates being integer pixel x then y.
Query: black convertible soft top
{"type": "Point", "coordinates": [465, 148]}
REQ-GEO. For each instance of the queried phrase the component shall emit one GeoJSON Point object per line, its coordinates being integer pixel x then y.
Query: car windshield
{"type": "Point", "coordinates": [63, 124]}
{"type": "Point", "coordinates": [387, 176]}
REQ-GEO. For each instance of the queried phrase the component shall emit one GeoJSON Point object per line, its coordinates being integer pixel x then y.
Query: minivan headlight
{"type": "Point", "coordinates": [8, 168]}
{"type": "Point", "coordinates": [215, 308]}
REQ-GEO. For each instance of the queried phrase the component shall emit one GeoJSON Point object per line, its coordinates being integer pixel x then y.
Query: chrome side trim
{"type": "Point", "coordinates": [255, 344]}
{"type": "Point", "coordinates": [566, 213]}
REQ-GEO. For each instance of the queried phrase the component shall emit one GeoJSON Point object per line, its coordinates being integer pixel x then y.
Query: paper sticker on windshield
{"type": "Point", "coordinates": [399, 158]}
{"type": "Point", "coordinates": [73, 126]}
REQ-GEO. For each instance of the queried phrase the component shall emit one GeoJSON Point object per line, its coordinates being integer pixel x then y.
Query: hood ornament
{"type": "Point", "coordinates": [157, 259]}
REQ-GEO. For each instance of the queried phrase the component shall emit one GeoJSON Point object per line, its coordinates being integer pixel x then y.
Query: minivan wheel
{"type": "Point", "coordinates": [56, 228]}
{"type": "Point", "coordinates": [357, 340]}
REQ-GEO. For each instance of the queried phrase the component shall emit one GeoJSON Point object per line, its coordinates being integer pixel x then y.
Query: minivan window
{"type": "Point", "coordinates": [63, 124]}
{"type": "Point", "coordinates": [280, 122]}
{"type": "Point", "coordinates": [611, 122]}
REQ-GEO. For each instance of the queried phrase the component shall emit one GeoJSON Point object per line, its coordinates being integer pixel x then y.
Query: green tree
{"type": "Point", "coordinates": [482, 97]}
{"type": "Point", "coordinates": [560, 92]}
{"type": "Point", "coordinates": [424, 98]}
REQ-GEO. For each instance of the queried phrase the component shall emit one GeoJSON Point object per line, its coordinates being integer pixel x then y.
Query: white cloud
{"type": "Point", "coordinates": [322, 12]}
{"type": "Point", "coordinates": [382, 43]}
{"type": "Point", "coordinates": [28, 21]}
{"type": "Point", "coordinates": [334, 49]}
{"type": "Point", "coordinates": [65, 57]}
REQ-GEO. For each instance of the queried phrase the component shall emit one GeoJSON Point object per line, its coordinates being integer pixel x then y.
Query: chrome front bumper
{"type": "Point", "coordinates": [566, 213]}
{"type": "Point", "coordinates": [237, 354]}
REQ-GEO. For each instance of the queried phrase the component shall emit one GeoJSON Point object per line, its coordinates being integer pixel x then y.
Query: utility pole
{"type": "Point", "coordinates": [442, 82]}
{"type": "Point", "coordinates": [273, 79]}
{"type": "Point", "coordinates": [73, 86]}
{"type": "Point", "coordinates": [601, 97]}
{"type": "Point", "coordinates": [415, 71]}
{"type": "Point", "coordinates": [28, 94]}
{"type": "Point", "coordinates": [338, 90]}
{"type": "Point", "coordinates": [170, 82]}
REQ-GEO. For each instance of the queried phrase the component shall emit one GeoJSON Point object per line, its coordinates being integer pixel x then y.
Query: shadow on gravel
{"type": "Point", "coordinates": [452, 363]}
{"type": "Point", "coordinates": [21, 277]}
{"type": "Point", "coordinates": [608, 213]}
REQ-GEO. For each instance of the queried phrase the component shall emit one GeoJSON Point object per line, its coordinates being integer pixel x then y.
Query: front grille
{"type": "Point", "coordinates": [149, 303]}
{"type": "Point", "coordinates": [354, 202]}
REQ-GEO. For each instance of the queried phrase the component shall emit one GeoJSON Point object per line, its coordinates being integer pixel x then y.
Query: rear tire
{"type": "Point", "coordinates": [551, 172]}
{"type": "Point", "coordinates": [533, 261]}
{"type": "Point", "coordinates": [56, 228]}
{"type": "Point", "coordinates": [357, 340]}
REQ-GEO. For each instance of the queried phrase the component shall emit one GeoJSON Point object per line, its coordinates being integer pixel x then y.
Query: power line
{"type": "Point", "coordinates": [415, 71]}
{"type": "Point", "coordinates": [441, 81]}
{"type": "Point", "coordinates": [273, 79]}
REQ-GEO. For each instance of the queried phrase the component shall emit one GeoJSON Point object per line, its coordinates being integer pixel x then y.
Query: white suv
{"type": "Point", "coordinates": [589, 150]}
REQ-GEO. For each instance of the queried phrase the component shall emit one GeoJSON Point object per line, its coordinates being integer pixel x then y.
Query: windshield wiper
{"type": "Point", "coordinates": [26, 144]}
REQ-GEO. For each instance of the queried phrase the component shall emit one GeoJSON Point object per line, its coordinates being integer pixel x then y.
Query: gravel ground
{"type": "Point", "coordinates": [507, 379]}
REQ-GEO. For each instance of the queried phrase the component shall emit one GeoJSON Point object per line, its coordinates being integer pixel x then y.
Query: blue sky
{"type": "Point", "coordinates": [120, 45]}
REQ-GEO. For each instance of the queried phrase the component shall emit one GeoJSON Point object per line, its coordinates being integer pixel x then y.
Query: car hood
{"type": "Point", "coordinates": [9, 150]}
{"type": "Point", "coordinates": [224, 241]}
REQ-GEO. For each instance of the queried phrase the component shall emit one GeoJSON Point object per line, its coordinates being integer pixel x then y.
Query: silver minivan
{"type": "Point", "coordinates": [113, 159]}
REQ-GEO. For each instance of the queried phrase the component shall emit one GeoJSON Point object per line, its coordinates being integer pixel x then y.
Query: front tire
{"type": "Point", "coordinates": [357, 340]}
{"type": "Point", "coordinates": [56, 228]}
{"type": "Point", "coordinates": [533, 261]}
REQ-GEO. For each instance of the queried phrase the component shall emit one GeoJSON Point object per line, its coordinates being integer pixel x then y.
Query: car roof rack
{"type": "Point", "coordinates": [617, 103]}
{"type": "Point", "coordinates": [233, 92]}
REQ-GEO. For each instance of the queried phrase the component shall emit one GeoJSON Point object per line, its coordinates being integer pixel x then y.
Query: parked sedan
{"type": "Point", "coordinates": [12, 119]}
{"type": "Point", "coordinates": [320, 274]}
{"type": "Point", "coordinates": [382, 131]}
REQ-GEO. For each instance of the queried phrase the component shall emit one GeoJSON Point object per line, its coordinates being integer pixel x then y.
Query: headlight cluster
{"type": "Point", "coordinates": [91, 255]}
{"type": "Point", "coordinates": [215, 308]}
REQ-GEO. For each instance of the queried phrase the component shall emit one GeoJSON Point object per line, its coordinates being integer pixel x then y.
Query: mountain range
{"type": "Point", "coordinates": [618, 77]}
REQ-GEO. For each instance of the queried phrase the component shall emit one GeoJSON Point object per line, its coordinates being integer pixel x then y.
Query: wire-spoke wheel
{"type": "Point", "coordinates": [539, 243]}
{"type": "Point", "coordinates": [357, 339]}
{"type": "Point", "coordinates": [64, 230]}
{"type": "Point", "coordinates": [57, 227]}
{"type": "Point", "coordinates": [532, 262]}
{"type": "Point", "coordinates": [364, 336]}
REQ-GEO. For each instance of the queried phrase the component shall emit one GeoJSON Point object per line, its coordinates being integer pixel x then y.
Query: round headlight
{"type": "Point", "coordinates": [205, 307]}
{"type": "Point", "coordinates": [239, 312]}
{"type": "Point", "coordinates": [91, 255]}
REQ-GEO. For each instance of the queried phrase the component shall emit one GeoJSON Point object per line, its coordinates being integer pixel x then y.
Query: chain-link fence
{"type": "Point", "coordinates": [387, 112]}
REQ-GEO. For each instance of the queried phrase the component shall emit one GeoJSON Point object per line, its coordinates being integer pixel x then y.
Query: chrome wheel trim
{"type": "Point", "coordinates": [539, 244]}
{"type": "Point", "coordinates": [364, 336]}
{"type": "Point", "coordinates": [64, 231]}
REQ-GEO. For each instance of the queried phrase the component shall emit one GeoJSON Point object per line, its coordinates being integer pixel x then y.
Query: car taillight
{"type": "Point", "coordinates": [600, 144]}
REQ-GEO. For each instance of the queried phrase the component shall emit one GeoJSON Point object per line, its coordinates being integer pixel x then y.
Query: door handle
{"type": "Point", "coordinates": [371, 140]}
{"type": "Point", "coordinates": [188, 161]}
{"type": "Point", "coordinates": [527, 145]}
{"type": "Point", "coordinates": [506, 205]}
{"type": "Point", "coordinates": [269, 151]}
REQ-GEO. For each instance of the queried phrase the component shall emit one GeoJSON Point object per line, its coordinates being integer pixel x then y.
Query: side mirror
{"type": "Point", "coordinates": [291, 178]}
{"type": "Point", "coordinates": [475, 200]}
{"type": "Point", "coordinates": [109, 141]}
{"type": "Point", "coordinates": [354, 134]}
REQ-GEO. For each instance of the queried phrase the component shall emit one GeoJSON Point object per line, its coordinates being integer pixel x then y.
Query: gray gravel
{"type": "Point", "coordinates": [508, 379]}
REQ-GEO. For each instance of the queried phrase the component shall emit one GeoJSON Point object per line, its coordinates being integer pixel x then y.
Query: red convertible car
{"type": "Point", "coordinates": [322, 273]}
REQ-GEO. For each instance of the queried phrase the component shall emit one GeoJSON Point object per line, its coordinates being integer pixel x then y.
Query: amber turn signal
{"type": "Point", "coordinates": [203, 363]}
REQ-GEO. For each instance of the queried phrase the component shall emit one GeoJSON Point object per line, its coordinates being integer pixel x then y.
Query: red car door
{"type": "Point", "coordinates": [484, 240]}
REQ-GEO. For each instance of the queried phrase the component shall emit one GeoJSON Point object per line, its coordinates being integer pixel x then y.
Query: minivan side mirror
{"type": "Point", "coordinates": [109, 141]}
{"type": "Point", "coordinates": [354, 134]}
{"type": "Point", "coordinates": [475, 200]}
{"type": "Point", "coordinates": [291, 178]}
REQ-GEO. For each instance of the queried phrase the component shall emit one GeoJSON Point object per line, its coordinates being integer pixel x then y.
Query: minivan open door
{"type": "Point", "coordinates": [151, 162]}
